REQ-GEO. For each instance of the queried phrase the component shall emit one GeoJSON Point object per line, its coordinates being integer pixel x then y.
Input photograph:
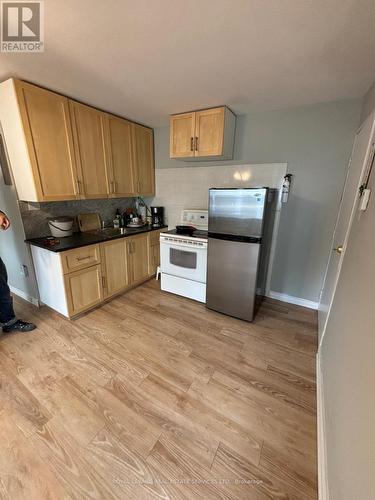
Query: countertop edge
{"type": "Point", "coordinates": [38, 242]}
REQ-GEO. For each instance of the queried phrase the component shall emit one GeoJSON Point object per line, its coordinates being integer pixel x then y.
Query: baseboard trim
{"type": "Point", "coordinates": [293, 300]}
{"type": "Point", "coordinates": [322, 449]}
{"type": "Point", "coordinates": [24, 296]}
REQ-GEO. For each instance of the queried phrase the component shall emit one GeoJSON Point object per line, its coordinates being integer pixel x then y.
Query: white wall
{"type": "Point", "coordinates": [368, 103]}
{"type": "Point", "coordinates": [187, 187]}
{"type": "Point", "coordinates": [315, 142]}
{"type": "Point", "coordinates": [347, 359]}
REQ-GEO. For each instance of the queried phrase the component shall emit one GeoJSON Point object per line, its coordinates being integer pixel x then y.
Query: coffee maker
{"type": "Point", "coordinates": [157, 216]}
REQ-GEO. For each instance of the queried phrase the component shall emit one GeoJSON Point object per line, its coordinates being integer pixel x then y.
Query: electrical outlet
{"type": "Point", "coordinates": [24, 271]}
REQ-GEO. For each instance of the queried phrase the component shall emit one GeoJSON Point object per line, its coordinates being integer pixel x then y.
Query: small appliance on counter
{"type": "Point", "coordinates": [61, 227]}
{"type": "Point", "coordinates": [183, 256]}
{"type": "Point", "coordinates": [157, 216]}
{"type": "Point", "coordinates": [89, 222]}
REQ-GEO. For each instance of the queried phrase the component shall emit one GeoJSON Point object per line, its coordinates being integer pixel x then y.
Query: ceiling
{"type": "Point", "coordinates": [146, 59]}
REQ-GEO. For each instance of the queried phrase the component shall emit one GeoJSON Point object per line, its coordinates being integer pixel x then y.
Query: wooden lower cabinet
{"type": "Point", "coordinates": [74, 281]}
{"type": "Point", "coordinates": [138, 251]}
{"type": "Point", "coordinates": [154, 252]}
{"type": "Point", "coordinates": [115, 267]}
{"type": "Point", "coordinates": [83, 289]}
{"type": "Point", "coordinates": [80, 258]}
{"type": "Point", "coordinates": [154, 259]}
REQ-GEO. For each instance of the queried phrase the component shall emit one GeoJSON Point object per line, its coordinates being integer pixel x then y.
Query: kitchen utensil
{"type": "Point", "coordinates": [61, 227]}
{"type": "Point", "coordinates": [140, 224]}
{"type": "Point", "coordinates": [189, 230]}
{"type": "Point", "coordinates": [89, 222]}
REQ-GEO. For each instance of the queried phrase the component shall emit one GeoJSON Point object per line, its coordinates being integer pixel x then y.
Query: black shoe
{"type": "Point", "coordinates": [19, 326]}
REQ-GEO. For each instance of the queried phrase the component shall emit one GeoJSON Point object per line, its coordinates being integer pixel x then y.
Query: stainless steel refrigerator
{"type": "Point", "coordinates": [240, 227]}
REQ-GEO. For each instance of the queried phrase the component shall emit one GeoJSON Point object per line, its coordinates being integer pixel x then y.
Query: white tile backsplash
{"type": "Point", "coordinates": [187, 187]}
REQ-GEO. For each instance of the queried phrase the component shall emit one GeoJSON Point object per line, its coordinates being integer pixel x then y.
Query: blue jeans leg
{"type": "Point", "coordinates": [7, 316]}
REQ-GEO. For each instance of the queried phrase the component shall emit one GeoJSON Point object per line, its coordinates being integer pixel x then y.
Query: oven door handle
{"type": "Point", "coordinates": [186, 248]}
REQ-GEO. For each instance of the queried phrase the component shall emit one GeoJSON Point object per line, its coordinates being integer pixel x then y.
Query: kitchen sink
{"type": "Point", "coordinates": [109, 232]}
{"type": "Point", "coordinates": [112, 232]}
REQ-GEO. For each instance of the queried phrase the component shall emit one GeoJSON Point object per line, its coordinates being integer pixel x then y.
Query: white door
{"type": "Point", "coordinates": [362, 154]}
{"type": "Point", "coordinates": [348, 368]}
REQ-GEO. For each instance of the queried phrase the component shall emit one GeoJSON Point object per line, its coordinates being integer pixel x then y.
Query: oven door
{"type": "Point", "coordinates": [184, 261]}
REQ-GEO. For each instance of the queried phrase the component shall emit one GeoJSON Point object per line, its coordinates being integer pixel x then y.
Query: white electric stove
{"type": "Point", "coordinates": [183, 258]}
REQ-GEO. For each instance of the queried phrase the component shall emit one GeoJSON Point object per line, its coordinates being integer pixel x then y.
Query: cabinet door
{"type": "Point", "coordinates": [182, 133]}
{"type": "Point", "coordinates": [88, 134]}
{"type": "Point", "coordinates": [154, 259]}
{"type": "Point", "coordinates": [138, 249]}
{"type": "Point", "coordinates": [209, 132]}
{"type": "Point", "coordinates": [83, 289]}
{"type": "Point", "coordinates": [115, 267]}
{"type": "Point", "coordinates": [120, 152]}
{"type": "Point", "coordinates": [48, 132]}
{"type": "Point", "coordinates": [143, 159]}
{"type": "Point", "coordinates": [154, 251]}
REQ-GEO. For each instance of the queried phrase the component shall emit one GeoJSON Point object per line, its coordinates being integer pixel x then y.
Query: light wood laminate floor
{"type": "Point", "coordinates": [154, 397]}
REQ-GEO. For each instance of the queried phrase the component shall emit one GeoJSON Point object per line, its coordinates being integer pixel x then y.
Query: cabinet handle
{"type": "Point", "coordinates": [191, 143]}
{"type": "Point", "coordinates": [138, 186]}
{"type": "Point", "coordinates": [83, 258]}
{"type": "Point", "coordinates": [196, 144]}
{"type": "Point", "coordinates": [78, 182]}
{"type": "Point", "coordinates": [133, 246]}
{"type": "Point", "coordinates": [113, 187]}
{"type": "Point", "coordinates": [104, 282]}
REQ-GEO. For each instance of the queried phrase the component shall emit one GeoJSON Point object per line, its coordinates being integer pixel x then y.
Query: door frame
{"type": "Point", "coordinates": [370, 151]}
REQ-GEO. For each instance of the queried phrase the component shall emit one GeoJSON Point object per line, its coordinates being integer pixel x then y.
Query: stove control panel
{"type": "Point", "coordinates": [196, 218]}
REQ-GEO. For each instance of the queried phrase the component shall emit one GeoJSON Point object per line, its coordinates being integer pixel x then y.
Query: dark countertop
{"type": "Point", "coordinates": [89, 238]}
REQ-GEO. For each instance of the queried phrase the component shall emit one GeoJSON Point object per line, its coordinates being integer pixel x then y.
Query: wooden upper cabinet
{"type": "Point", "coordinates": [143, 159]}
{"type": "Point", "coordinates": [90, 150]}
{"type": "Point", "coordinates": [119, 137]}
{"type": "Point", "coordinates": [182, 135]}
{"type": "Point", "coordinates": [209, 131]}
{"type": "Point", "coordinates": [205, 134]}
{"type": "Point", "coordinates": [48, 133]}
{"type": "Point", "coordinates": [60, 149]}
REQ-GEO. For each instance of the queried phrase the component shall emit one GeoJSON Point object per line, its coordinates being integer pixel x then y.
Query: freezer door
{"type": "Point", "coordinates": [231, 277]}
{"type": "Point", "coordinates": [237, 211]}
